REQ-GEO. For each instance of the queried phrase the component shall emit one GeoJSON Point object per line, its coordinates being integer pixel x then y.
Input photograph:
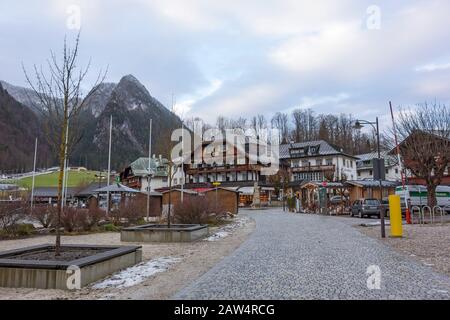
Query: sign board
{"type": "Point", "coordinates": [379, 171]}
{"type": "Point", "coordinates": [216, 184]}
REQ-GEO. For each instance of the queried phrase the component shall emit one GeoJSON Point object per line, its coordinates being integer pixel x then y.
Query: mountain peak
{"type": "Point", "coordinates": [129, 77]}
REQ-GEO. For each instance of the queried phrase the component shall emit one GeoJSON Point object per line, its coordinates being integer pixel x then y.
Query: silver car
{"type": "Point", "coordinates": [365, 207]}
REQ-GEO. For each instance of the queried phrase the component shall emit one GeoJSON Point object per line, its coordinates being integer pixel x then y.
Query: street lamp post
{"type": "Point", "coordinates": [375, 125]}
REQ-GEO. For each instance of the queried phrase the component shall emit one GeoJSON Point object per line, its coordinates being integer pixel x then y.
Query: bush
{"type": "Point", "coordinates": [25, 229]}
{"type": "Point", "coordinates": [10, 214]}
{"type": "Point", "coordinates": [130, 212]}
{"type": "Point", "coordinates": [75, 219]}
{"type": "Point", "coordinates": [196, 211]}
{"type": "Point", "coordinates": [110, 227]}
{"type": "Point", "coordinates": [45, 215]}
{"type": "Point", "coordinates": [89, 219]}
{"type": "Point", "coordinates": [70, 218]}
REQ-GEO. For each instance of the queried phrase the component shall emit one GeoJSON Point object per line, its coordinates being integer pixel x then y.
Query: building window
{"type": "Point", "coordinates": [370, 172]}
{"type": "Point", "coordinates": [329, 162]}
{"type": "Point", "coordinates": [396, 171]}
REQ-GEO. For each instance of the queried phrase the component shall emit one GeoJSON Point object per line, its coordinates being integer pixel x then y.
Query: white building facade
{"type": "Point", "coordinates": [364, 166]}
{"type": "Point", "coordinates": [317, 161]}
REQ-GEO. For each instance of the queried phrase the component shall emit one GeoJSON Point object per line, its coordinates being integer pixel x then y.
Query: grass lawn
{"type": "Point", "coordinates": [75, 179]}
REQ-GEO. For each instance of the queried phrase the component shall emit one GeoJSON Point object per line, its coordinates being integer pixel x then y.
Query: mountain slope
{"type": "Point", "coordinates": [23, 95]}
{"type": "Point", "coordinates": [128, 102]}
{"type": "Point", "coordinates": [19, 128]}
{"type": "Point", "coordinates": [132, 106]}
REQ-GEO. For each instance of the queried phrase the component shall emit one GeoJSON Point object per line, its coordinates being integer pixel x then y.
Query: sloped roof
{"type": "Point", "coordinates": [329, 185]}
{"type": "Point", "coordinates": [390, 159]}
{"type": "Point", "coordinates": [152, 193]}
{"type": "Point", "coordinates": [89, 190]}
{"type": "Point", "coordinates": [324, 149]}
{"type": "Point", "coordinates": [373, 183]}
{"type": "Point", "coordinates": [51, 192]}
{"type": "Point", "coordinates": [140, 167]}
{"type": "Point", "coordinates": [5, 186]}
{"type": "Point", "coordinates": [188, 191]}
{"type": "Point", "coordinates": [116, 187]}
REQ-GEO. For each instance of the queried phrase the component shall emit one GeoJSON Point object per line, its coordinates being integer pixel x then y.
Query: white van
{"type": "Point", "coordinates": [418, 194]}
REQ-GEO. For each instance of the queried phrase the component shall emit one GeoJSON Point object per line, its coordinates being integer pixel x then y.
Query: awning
{"type": "Point", "coordinates": [232, 188]}
{"type": "Point", "coordinates": [246, 191]}
{"type": "Point", "coordinates": [267, 188]}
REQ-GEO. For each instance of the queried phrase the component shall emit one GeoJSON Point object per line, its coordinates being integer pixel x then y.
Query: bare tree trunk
{"type": "Point", "coordinates": [59, 91]}
{"type": "Point", "coordinates": [62, 159]}
{"type": "Point", "coordinates": [170, 201]}
{"type": "Point", "coordinates": [431, 190]}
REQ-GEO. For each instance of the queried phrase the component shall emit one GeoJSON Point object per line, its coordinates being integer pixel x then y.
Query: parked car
{"type": "Point", "coordinates": [385, 203]}
{"type": "Point", "coordinates": [365, 207]}
{"type": "Point", "coordinates": [337, 200]}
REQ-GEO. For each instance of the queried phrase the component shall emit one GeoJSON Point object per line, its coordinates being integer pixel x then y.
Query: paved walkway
{"type": "Point", "coordinates": [297, 256]}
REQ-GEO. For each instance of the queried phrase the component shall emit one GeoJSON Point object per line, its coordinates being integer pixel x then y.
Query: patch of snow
{"type": "Point", "coordinates": [217, 236]}
{"type": "Point", "coordinates": [136, 274]}
{"type": "Point", "coordinates": [225, 231]}
{"type": "Point", "coordinates": [438, 291]}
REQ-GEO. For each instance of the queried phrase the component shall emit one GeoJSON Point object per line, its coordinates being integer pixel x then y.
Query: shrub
{"type": "Point", "coordinates": [196, 211]}
{"type": "Point", "coordinates": [24, 229]}
{"type": "Point", "coordinates": [45, 215]}
{"type": "Point", "coordinates": [10, 214]}
{"type": "Point", "coordinates": [130, 212]}
{"type": "Point", "coordinates": [110, 227]}
{"type": "Point", "coordinates": [75, 219]}
{"type": "Point", "coordinates": [89, 219]}
{"type": "Point", "coordinates": [70, 218]}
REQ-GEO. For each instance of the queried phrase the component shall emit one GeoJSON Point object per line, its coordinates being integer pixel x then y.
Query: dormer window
{"type": "Point", "coordinates": [297, 152]}
{"type": "Point", "coordinates": [314, 150]}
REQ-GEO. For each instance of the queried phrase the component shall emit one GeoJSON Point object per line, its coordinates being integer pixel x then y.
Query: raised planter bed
{"type": "Point", "coordinates": [37, 266]}
{"type": "Point", "coordinates": [161, 233]}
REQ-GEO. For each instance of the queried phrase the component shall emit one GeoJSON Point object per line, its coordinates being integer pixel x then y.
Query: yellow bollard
{"type": "Point", "coordinates": [395, 211]}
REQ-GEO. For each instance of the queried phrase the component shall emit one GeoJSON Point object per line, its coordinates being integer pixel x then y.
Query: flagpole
{"type": "Point", "coordinates": [149, 169]}
{"type": "Point", "coordinates": [402, 173]}
{"type": "Point", "coordinates": [65, 167]}
{"type": "Point", "coordinates": [66, 179]}
{"type": "Point", "coordinates": [34, 174]}
{"type": "Point", "coordinates": [182, 162]}
{"type": "Point", "coordinates": [109, 166]}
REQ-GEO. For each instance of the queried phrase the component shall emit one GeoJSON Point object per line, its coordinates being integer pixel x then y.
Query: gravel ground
{"type": "Point", "coordinates": [429, 244]}
{"type": "Point", "coordinates": [303, 256]}
{"type": "Point", "coordinates": [194, 259]}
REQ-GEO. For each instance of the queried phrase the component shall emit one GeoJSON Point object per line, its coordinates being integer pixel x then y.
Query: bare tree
{"type": "Point", "coordinates": [59, 91]}
{"type": "Point", "coordinates": [258, 123]}
{"type": "Point", "coordinates": [280, 122]}
{"type": "Point", "coordinates": [425, 148]}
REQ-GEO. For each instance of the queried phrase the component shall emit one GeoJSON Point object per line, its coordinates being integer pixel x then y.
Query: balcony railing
{"type": "Point", "coordinates": [224, 168]}
{"type": "Point", "coordinates": [319, 168]}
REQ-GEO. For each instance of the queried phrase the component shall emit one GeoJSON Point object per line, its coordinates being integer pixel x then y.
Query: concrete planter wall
{"type": "Point", "coordinates": [160, 233]}
{"type": "Point", "coordinates": [16, 273]}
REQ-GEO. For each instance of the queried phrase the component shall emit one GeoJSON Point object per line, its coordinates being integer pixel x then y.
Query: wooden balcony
{"type": "Point", "coordinates": [223, 169]}
{"type": "Point", "coordinates": [322, 168]}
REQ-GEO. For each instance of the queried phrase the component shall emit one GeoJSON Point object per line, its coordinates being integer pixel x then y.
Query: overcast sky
{"type": "Point", "coordinates": [240, 58]}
